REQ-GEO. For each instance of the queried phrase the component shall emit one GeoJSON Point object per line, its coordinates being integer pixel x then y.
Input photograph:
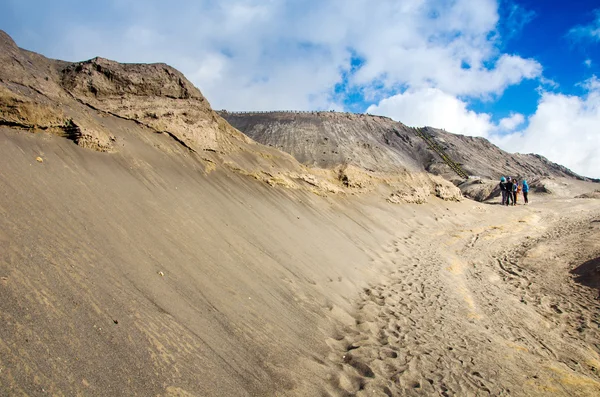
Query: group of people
{"type": "Point", "coordinates": [511, 188]}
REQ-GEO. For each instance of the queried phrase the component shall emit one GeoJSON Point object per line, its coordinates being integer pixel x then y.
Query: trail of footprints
{"type": "Point", "coordinates": [409, 338]}
{"type": "Point", "coordinates": [572, 319]}
{"type": "Point", "coordinates": [405, 341]}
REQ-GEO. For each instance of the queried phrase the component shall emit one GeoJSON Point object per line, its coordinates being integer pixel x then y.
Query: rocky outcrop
{"type": "Point", "coordinates": [155, 95]}
{"type": "Point", "coordinates": [32, 98]}
{"type": "Point", "coordinates": [37, 93]}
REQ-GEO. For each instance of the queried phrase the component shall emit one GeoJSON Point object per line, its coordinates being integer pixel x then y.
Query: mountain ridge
{"type": "Point", "coordinates": [243, 120]}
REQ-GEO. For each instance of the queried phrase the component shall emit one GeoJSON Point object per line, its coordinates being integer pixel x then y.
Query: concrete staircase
{"type": "Point", "coordinates": [433, 145]}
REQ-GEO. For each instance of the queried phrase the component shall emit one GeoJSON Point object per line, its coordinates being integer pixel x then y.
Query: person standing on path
{"type": "Point", "coordinates": [503, 190]}
{"type": "Point", "coordinates": [516, 188]}
{"type": "Point", "coordinates": [509, 191]}
{"type": "Point", "coordinates": [525, 191]}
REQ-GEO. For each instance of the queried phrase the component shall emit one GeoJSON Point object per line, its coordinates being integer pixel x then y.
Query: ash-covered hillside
{"type": "Point", "coordinates": [330, 139]}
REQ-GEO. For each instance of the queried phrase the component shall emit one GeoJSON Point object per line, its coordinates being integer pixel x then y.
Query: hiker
{"type": "Point", "coordinates": [503, 189]}
{"type": "Point", "coordinates": [525, 191]}
{"type": "Point", "coordinates": [519, 190]}
{"type": "Point", "coordinates": [516, 188]}
{"type": "Point", "coordinates": [509, 191]}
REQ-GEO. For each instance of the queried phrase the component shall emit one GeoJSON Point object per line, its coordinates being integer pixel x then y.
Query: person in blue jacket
{"type": "Point", "coordinates": [503, 189]}
{"type": "Point", "coordinates": [525, 190]}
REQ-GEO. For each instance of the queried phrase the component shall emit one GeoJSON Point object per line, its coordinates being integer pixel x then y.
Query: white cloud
{"type": "Point", "coordinates": [565, 129]}
{"type": "Point", "coordinates": [254, 54]}
{"type": "Point", "coordinates": [433, 107]}
{"type": "Point", "coordinates": [590, 31]}
{"type": "Point", "coordinates": [512, 122]}
{"type": "Point", "coordinates": [588, 63]}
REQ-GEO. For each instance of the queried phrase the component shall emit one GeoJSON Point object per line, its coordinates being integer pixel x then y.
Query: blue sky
{"type": "Point", "coordinates": [521, 73]}
{"type": "Point", "coordinates": [545, 38]}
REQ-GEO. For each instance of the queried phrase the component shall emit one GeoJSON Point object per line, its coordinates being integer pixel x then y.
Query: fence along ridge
{"type": "Point", "coordinates": [235, 112]}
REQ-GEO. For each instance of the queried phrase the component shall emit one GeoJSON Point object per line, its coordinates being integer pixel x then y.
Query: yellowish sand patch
{"type": "Point", "coordinates": [578, 382]}
{"type": "Point", "coordinates": [456, 266]}
{"type": "Point", "coordinates": [173, 391]}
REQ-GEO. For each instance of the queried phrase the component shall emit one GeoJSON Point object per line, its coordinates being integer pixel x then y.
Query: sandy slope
{"type": "Point", "coordinates": [270, 291]}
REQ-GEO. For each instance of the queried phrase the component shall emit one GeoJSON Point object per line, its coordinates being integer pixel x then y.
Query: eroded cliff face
{"type": "Point", "coordinates": [155, 95]}
{"type": "Point", "coordinates": [32, 98]}
{"type": "Point", "coordinates": [43, 94]}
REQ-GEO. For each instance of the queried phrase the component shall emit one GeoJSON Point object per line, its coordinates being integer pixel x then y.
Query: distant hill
{"type": "Point", "coordinates": [330, 139]}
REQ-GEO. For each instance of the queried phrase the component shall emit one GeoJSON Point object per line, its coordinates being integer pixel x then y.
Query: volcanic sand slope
{"type": "Point", "coordinates": [490, 311]}
{"type": "Point", "coordinates": [260, 287]}
{"type": "Point", "coordinates": [157, 264]}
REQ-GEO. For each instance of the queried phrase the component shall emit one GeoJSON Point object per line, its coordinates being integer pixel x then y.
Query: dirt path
{"type": "Point", "coordinates": [485, 310]}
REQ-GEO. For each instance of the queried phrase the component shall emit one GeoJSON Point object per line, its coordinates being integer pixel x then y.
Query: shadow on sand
{"type": "Point", "coordinates": [588, 273]}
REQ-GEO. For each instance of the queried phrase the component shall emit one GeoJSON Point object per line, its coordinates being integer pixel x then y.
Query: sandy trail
{"type": "Point", "coordinates": [486, 309]}
{"type": "Point", "coordinates": [267, 291]}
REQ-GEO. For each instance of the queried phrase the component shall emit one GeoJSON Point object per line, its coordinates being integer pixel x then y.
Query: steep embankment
{"type": "Point", "coordinates": [136, 273]}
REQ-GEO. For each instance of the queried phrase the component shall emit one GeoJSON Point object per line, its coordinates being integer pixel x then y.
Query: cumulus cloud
{"type": "Point", "coordinates": [252, 54]}
{"type": "Point", "coordinates": [433, 107]}
{"type": "Point", "coordinates": [511, 122]}
{"type": "Point", "coordinates": [564, 128]}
